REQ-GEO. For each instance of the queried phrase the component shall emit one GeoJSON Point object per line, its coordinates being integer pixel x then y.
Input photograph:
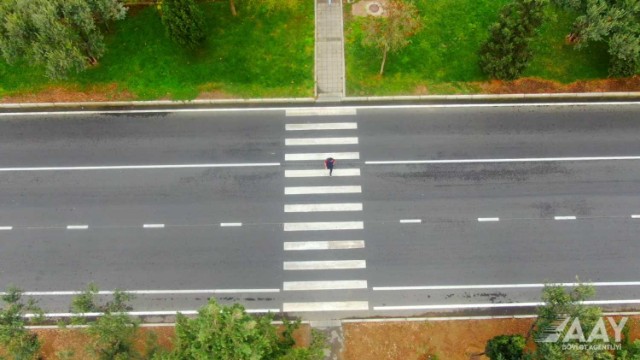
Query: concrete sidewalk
{"type": "Point", "coordinates": [329, 51]}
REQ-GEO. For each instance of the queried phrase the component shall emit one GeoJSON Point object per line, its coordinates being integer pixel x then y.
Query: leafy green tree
{"type": "Point", "coordinates": [61, 35]}
{"type": "Point", "coordinates": [614, 21]}
{"type": "Point", "coordinates": [19, 343]}
{"type": "Point", "coordinates": [505, 347]}
{"type": "Point", "coordinates": [184, 22]}
{"type": "Point", "coordinates": [506, 53]}
{"type": "Point", "coordinates": [391, 31]}
{"type": "Point", "coordinates": [561, 304]}
{"type": "Point", "coordinates": [229, 333]}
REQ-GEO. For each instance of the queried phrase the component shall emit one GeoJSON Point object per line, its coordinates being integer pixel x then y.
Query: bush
{"type": "Point", "coordinates": [505, 347]}
{"type": "Point", "coordinates": [184, 22]}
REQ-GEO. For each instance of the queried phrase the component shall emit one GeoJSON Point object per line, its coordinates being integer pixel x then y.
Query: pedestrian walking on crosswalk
{"type": "Point", "coordinates": [329, 163]}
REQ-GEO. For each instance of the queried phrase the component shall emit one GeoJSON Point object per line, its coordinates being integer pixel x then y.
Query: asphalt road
{"type": "Point", "coordinates": [204, 169]}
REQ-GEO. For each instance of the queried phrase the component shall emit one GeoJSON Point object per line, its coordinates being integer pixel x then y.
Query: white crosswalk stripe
{"type": "Point", "coordinates": [322, 126]}
{"type": "Point", "coordinates": [320, 172]}
{"type": "Point", "coordinates": [328, 111]}
{"type": "Point", "coordinates": [322, 156]}
{"type": "Point", "coordinates": [326, 306]}
{"type": "Point", "coordinates": [323, 245]}
{"type": "Point", "coordinates": [324, 285]}
{"type": "Point", "coordinates": [319, 226]}
{"type": "Point", "coordinates": [321, 141]}
{"type": "Point", "coordinates": [322, 207]}
{"type": "Point", "coordinates": [301, 190]}
{"type": "Point", "coordinates": [325, 265]}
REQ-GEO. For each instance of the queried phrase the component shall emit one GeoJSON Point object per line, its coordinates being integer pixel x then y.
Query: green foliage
{"type": "Point", "coordinates": [61, 35]}
{"type": "Point", "coordinates": [19, 343]}
{"type": "Point", "coordinates": [229, 333]}
{"type": "Point", "coordinates": [505, 347]}
{"type": "Point", "coordinates": [615, 22]}
{"type": "Point", "coordinates": [506, 54]}
{"type": "Point", "coordinates": [391, 32]}
{"type": "Point", "coordinates": [184, 22]}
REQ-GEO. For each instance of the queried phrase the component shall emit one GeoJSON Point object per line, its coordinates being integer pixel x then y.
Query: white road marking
{"type": "Point", "coordinates": [500, 305]}
{"type": "Point", "coordinates": [230, 224]}
{"type": "Point", "coordinates": [322, 156]}
{"type": "Point", "coordinates": [632, 216]}
{"type": "Point", "coordinates": [324, 245]}
{"type": "Point", "coordinates": [136, 167]}
{"type": "Point", "coordinates": [329, 225]}
{"type": "Point", "coordinates": [322, 172]}
{"type": "Point", "coordinates": [151, 292]}
{"type": "Point", "coordinates": [322, 126]}
{"type": "Point", "coordinates": [564, 217]}
{"type": "Point", "coordinates": [323, 285]}
{"type": "Point", "coordinates": [325, 265]}
{"type": "Point", "coordinates": [300, 190]}
{"type": "Point", "coordinates": [140, 313]}
{"type": "Point", "coordinates": [326, 306]}
{"type": "Point", "coordinates": [514, 160]}
{"type": "Point", "coordinates": [77, 227]}
{"type": "Point", "coordinates": [322, 207]}
{"type": "Point", "coordinates": [321, 141]}
{"type": "Point", "coordinates": [153, 226]}
{"type": "Point", "coordinates": [410, 221]}
{"type": "Point", "coordinates": [321, 111]}
{"type": "Point", "coordinates": [488, 219]}
{"type": "Point", "coordinates": [500, 286]}
{"type": "Point", "coordinates": [6, 227]}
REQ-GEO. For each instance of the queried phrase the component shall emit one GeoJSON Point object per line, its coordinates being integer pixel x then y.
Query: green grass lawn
{"type": "Point", "coordinates": [249, 56]}
{"type": "Point", "coordinates": [442, 57]}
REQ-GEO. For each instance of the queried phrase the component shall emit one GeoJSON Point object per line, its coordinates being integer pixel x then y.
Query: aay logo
{"type": "Point", "coordinates": [553, 333]}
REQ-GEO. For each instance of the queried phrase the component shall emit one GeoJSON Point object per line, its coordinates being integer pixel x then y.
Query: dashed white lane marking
{"type": "Point", "coordinates": [319, 173]}
{"type": "Point", "coordinates": [490, 219]}
{"type": "Point", "coordinates": [564, 217]}
{"type": "Point", "coordinates": [324, 285]}
{"type": "Point", "coordinates": [410, 221]}
{"type": "Point", "coordinates": [230, 224]}
{"type": "Point", "coordinates": [321, 141]}
{"type": "Point", "coordinates": [6, 227]}
{"type": "Point", "coordinates": [152, 292]}
{"type": "Point", "coordinates": [324, 245]}
{"type": "Point", "coordinates": [300, 190]}
{"type": "Point", "coordinates": [500, 286]}
{"type": "Point", "coordinates": [500, 305]}
{"type": "Point", "coordinates": [322, 126]}
{"type": "Point", "coordinates": [326, 306]}
{"type": "Point", "coordinates": [329, 111]}
{"type": "Point", "coordinates": [322, 207]}
{"type": "Point", "coordinates": [325, 265]}
{"type": "Point", "coordinates": [329, 225]}
{"type": "Point", "coordinates": [322, 156]}
{"type": "Point", "coordinates": [135, 167]}
{"type": "Point", "coordinates": [514, 160]}
{"type": "Point", "coordinates": [77, 227]}
{"type": "Point", "coordinates": [632, 216]}
{"type": "Point", "coordinates": [153, 226]}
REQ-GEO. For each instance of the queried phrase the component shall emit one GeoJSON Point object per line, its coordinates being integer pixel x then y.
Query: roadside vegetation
{"type": "Point", "coordinates": [105, 331]}
{"type": "Point", "coordinates": [444, 56]}
{"type": "Point", "coordinates": [264, 51]}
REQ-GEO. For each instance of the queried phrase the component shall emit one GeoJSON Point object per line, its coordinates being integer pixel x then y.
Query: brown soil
{"type": "Point", "coordinates": [448, 340]}
{"type": "Point", "coordinates": [72, 94]}
{"type": "Point", "coordinates": [537, 86]}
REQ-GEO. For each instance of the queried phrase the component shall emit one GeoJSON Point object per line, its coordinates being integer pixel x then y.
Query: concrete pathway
{"type": "Point", "coordinates": [329, 54]}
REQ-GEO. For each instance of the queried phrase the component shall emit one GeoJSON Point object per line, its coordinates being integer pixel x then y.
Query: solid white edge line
{"type": "Point", "coordinates": [513, 160]}
{"type": "Point", "coordinates": [138, 313]}
{"type": "Point", "coordinates": [501, 286]}
{"type": "Point", "coordinates": [150, 292]}
{"type": "Point", "coordinates": [153, 226]}
{"type": "Point", "coordinates": [564, 217]}
{"type": "Point", "coordinates": [6, 227]}
{"type": "Point", "coordinates": [77, 227]}
{"type": "Point", "coordinates": [410, 221]}
{"type": "Point", "coordinates": [500, 305]}
{"type": "Point", "coordinates": [135, 167]}
{"type": "Point", "coordinates": [230, 224]}
{"type": "Point", "coordinates": [488, 219]}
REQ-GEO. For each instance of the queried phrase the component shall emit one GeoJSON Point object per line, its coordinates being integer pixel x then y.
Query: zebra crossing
{"type": "Point", "coordinates": [323, 228]}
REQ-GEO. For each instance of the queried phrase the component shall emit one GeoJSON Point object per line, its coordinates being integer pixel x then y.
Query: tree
{"type": "Point", "coordinates": [61, 35]}
{"type": "Point", "coordinates": [184, 22]}
{"type": "Point", "coordinates": [229, 333]}
{"type": "Point", "coordinates": [506, 53]}
{"type": "Point", "coordinates": [617, 23]}
{"type": "Point", "coordinates": [560, 304]}
{"type": "Point", "coordinates": [20, 343]}
{"type": "Point", "coordinates": [505, 347]}
{"type": "Point", "coordinates": [391, 31]}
